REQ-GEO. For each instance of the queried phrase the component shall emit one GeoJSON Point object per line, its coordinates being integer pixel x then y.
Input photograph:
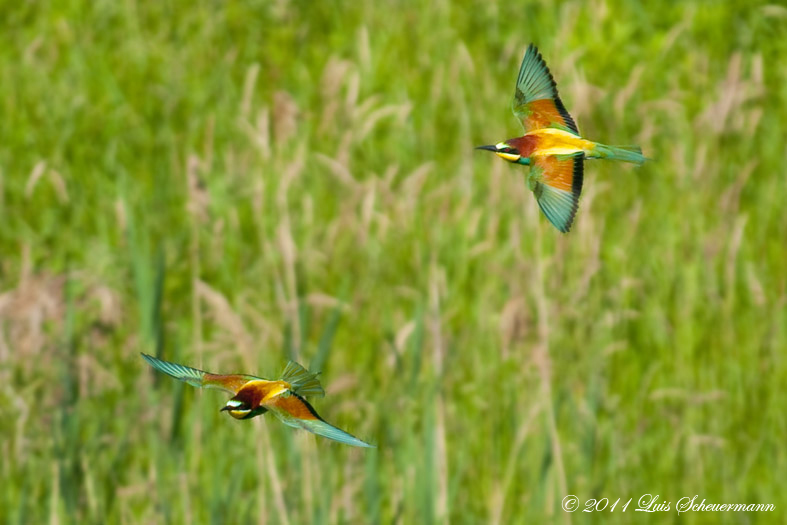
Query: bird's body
{"type": "Point", "coordinates": [544, 142]}
{"type": "Point", "coordinates": [254, 396]}
{"type": "Point", "coordinates": [552, 145]}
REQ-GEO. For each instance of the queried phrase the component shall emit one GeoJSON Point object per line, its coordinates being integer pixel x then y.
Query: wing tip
{"type": "Point", "coordinates": [348, 439]}
{"type": "Point", "coordinates": [151, 360]}
{"type": "Point", "coordinates": [190, 375]}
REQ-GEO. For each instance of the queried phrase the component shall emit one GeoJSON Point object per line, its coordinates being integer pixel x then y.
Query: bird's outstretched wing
{"type": "Point", "coordinates": [556, 181]}
{"type": "Point", "coordinates": [536, 102]}
{"type": "Point", "coordinates": [296, 412]}
{"type": "Point", "coordinates": [303, 382]}
{"type": "Point", "coordinates": [229, 383]}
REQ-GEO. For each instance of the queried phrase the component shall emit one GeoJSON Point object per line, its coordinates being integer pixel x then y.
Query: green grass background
{"type": "Point", "coordinates": [229, 185]}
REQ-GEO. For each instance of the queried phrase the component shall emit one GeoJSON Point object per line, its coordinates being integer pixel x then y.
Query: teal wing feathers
{"type": "Point", "coordinates": [303, 382]}
{"type": "Point", "coordinates": [190, 375]}
{"type": "Point", "coordinates": [229, 383]}
{"type": "Point", "coordinates": [536, 102]}
{"type": "Point", "coordinates": [326, 430]}
{"type": "Point", "coordinates": [295, 411]}
{"type": "Point", "coordinates": [556, 182]}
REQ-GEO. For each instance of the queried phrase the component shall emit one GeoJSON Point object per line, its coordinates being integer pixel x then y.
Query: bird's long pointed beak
{"type": "Point", "coordinates": [225, 407]}
{"type": "Point", "coordinates": [488, 148]}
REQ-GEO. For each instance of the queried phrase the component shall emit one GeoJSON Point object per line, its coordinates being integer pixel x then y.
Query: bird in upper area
{"type": "Point", "coordinates": [253, 396]}
{"type": "Point", "coordinates": [552, 146]}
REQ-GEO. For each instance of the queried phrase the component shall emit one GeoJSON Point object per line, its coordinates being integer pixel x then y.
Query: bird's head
{"type": "Point", "coordinates": [507, 151]}
{"type": "Point", "coordinates": [237, 408]}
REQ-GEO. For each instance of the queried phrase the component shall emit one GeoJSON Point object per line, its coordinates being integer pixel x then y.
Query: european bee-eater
{"type": "Point", "coordinates": [552, 146]}
{"type": "Point", "coordinates": [254, 396]}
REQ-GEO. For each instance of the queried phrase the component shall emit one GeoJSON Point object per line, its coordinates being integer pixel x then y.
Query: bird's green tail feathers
{"type": "Point", "coordinates": [303, 382]}
{"type": "Point", "coordinates": [623, 153]}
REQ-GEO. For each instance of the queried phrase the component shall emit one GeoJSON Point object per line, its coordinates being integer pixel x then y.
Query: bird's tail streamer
{"type": "Point", "coordinates": [623, 153]}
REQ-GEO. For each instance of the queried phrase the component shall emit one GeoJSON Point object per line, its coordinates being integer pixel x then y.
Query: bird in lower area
{"type": "Point", "coordinates": [552, 145]}
{"type": "Point", "coordinates": [253, 396]}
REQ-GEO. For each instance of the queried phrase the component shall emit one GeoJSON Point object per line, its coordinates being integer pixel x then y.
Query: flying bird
{"type": "Point", "coordinates": [552, 145]}
{"type": "Point", "coordinates": [254, 396]}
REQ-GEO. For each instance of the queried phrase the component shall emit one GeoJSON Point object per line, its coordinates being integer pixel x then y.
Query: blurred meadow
{"type": "Point", "coordinates": [230, 185]}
